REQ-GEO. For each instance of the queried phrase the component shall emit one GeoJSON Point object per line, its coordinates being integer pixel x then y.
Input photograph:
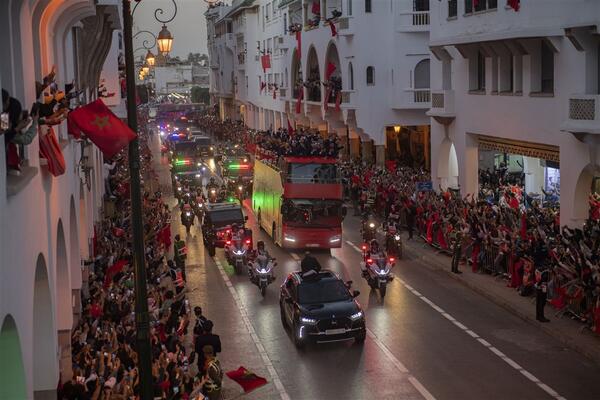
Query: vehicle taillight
{"type": "Point", "coordinates": [364, 246]}
{"type": "Point", "coordinates": [392, 259]}
{"type": "Point", "coordinates": [247, 241]}
{"type": "Point", "coordinates": [369, 261]}
{"type": "Point", "coordinates": [228, 242]}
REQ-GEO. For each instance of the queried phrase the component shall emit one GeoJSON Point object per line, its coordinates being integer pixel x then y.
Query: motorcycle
{"type": "Point", "coordinates": [368, 231]}
{"type": "Point", "coordinates": [236, 253]}
{"type": "Point", "coordinates": [393, 244]}
{"type": "Point", "coordinates": [212, 195]}
{"type": "Point", "coordinates": [260, 272]}
{"type": "Point", "coordinates": [377, 272]}
{"type": "Point", "coordinates": [187, 218]}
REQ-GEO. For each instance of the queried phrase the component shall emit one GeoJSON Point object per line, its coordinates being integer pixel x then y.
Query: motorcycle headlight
{"type": "Point", "coordinates": [261, 270]}
{"type": "Point", "coordinates": [383, 271]}
{"type": "Point", "coordinates": [371, 225]}
{"type": "Point", "coordinates": [239, 252]}
{"type": "Point", "coordinates": [179, 189]}
{"type": "Point", "coordinates": [309, 321]}
{"type": "Point", "coordinates": [213, 191]}
{"type": "Point", "coordinates": [197, 175]}
{"type": "Point", "coordinates": [356, 316]}
{"type": "Point", "coordinates": [397, 237]}
{"type": "Point", "coordinates": [199, 164]}
{"type": "Point", "coordinates": [189, 214]}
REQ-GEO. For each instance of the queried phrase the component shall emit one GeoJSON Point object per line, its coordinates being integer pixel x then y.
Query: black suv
{"type": "Point", "coordinates": [218, 219]}
{"type": "Point", "coordinates": [319, 307]}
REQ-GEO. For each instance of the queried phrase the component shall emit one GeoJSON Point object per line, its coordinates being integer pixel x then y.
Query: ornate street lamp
{"type": "Point", "coordinates": [397, 128]}
{"type": "Point", "coordinates": [145, 69]}
{"type": "Point", "coordinates": [150, 59]}
{"type": "Point", "coordinates": [164, 41]}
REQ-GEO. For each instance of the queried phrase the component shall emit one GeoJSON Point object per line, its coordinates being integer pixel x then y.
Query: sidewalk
{"type": "Point", "coordinates": [568, 332]}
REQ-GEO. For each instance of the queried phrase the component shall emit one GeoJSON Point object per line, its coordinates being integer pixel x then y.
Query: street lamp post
{"type": "Point", "coordinates": [142, 321]}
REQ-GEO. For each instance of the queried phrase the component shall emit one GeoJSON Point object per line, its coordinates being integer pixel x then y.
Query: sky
{"type": "Point", "coordinates": [188, 28]}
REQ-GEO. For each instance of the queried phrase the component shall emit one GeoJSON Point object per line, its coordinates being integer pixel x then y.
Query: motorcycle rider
{"type": "Point", "coordinates": [391, 243]}
{"type": "Point", "coordinates": [374, 253]}
{"type": "Point", "coordinates": [309, 263]}
{"type": "Point", "coordinates": [368, 228]}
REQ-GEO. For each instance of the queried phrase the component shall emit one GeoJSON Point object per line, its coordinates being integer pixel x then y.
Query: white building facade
{"type": "Point", "coordinates": [47, 222]}
{"type": "Point", "coordinates": [380, 54]}
{"type": "Point", "coordinates": [520, 85]}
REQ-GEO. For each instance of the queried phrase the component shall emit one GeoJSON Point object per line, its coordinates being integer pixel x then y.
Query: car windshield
{"type": "Point", "coordinates": [227, 217]}
{"type": "Point", "coordinates": [185, 149]}
{"type": "Point", "coordinates": [312, 173]}
{"type": "Point", "coordinates": [323, 291]}
{"type": "Point", "coordinates": [314, 213]}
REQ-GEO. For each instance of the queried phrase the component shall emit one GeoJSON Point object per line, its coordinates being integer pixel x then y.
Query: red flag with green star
{"type": "Point", "coordinates": [102, 127]}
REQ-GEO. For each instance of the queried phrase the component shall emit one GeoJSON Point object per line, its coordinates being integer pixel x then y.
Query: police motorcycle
{"type": "Point", "coordinates": [260, 270]}
{"type": "Point", "coordinates": [236, 248]}
{"type": "Point", "coordinates": [376, 267]}
{"type": "Point", "coordinates": [198, 204]}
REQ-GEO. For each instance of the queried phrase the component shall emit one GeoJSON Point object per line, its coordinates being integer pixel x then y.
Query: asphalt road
{"type": "Point", "coordinates": [431, 338]}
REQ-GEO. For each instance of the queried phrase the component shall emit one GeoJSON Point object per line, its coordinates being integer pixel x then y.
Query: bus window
{"type": "Point", "coordinates": [312, 173]}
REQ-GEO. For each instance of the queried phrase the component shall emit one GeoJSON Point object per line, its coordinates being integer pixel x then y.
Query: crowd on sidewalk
{"type": "Point", "coordinates": [104, 359]}
{"type": "Point", "coordinates": [501, 231]}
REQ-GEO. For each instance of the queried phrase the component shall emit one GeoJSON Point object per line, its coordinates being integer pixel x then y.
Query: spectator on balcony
{"type": "Point", "coordinates": [21, 130]}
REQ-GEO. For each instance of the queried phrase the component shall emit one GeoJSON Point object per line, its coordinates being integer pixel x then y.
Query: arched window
{"type": "Point", "coordinates": [370, 75]}
{"type": "Point", "coordinates": [351, 76]}
{"type": "Point", "coordinates": [421, 74]}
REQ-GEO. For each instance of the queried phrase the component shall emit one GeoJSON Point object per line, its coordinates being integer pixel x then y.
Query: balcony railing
{"type": "Point", "coordinates": [283, 93]}
{"type": "Point", "coordinates": [442, 104]}
{"type": "Point", "coordinates": [241, 58]}
{"type": "Point", "coordinates": [583, 114]}
{"type": "Point", "coordinates": [413, 21]}
{"type": "Point", "coordinates": [421, 95]}
{"type": "Point", "coordinates": [345, 26]}
{"type": "Point", "coordinates": [411, 99]}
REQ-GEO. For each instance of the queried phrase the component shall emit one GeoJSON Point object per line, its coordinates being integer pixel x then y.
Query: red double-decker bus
{"type": "Point", "coordinates": [298, 201]}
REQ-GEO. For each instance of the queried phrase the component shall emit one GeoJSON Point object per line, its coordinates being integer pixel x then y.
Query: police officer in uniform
{"type": "Point", "coordinates": [541, 293]}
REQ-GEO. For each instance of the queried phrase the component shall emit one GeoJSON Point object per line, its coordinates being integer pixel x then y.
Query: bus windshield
{"type": "Point", "coordinates": [312, 173]}
{"type": "Point", "coordinates": [312, 213]}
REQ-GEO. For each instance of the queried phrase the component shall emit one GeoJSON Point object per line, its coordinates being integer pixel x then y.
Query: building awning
{"type": "Point", "coordinates": [529, 149]}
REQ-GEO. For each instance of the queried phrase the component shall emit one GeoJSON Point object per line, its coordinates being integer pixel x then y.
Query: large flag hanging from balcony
{"type": "Point", "coordinates": [102, 127]}
{"type": "Point", "coordinates": [299, 46]}
{"type": "Point", "coordinates": [299, 101]}
{"type": "Point", "coordinates": [514, 4]}
{"type": "Point", "coordinates": [330, 70]}
{"type": "Point", "coordinates": [316, 7]}
{"type": "Point", "coordinates": [333, 29]}
{"type": "Point", "coordinates": [263, 85]}
{"type": "Point", "coordinates": [266, 62]}
{"type": "Point", "coordinates": [290, 128]}
{"type": "Point", "coordinates": [51, 151]}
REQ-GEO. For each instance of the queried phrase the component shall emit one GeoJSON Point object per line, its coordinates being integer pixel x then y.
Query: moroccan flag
{"type": "Point", "coordinates": [514, 4]}
{"type": "Point", "coordinates": [266, 62]}
{"type": "Point", "coordinates": [316, 7]}
{"type": "Point", "coordinates": [113, 270]}
{"type": "Point", "coordinates": [333, 30]}
{"type": "Point", "coordinates": [299, 41]}
{"type": "Point", "coordinates": [73, 129]}
{"type": "Point", "coordinates": [102, 127]}
{"type": "Point", "coordinates": [290, 128]}
{"type": "Point", "coordinates": [248, 380]}
{"type": "Point", "coordinates": [330, 70]}
{"type": "Point", "coordinates": [299, 101]}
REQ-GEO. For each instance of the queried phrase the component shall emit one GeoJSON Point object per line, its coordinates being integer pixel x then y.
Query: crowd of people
{"type": "Point", "coordinates": [502, 233]}
{"type": "Point", "coordinates": [184, 349]}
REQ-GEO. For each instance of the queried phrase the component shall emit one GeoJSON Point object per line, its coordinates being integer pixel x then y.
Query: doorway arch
{"type": "Point", "coordinates": [45, 373]}
{"type": "Point", "coordinates": [313, 75]}
{"type": "Point", "coordinates": [13, 384]}
{"type": "Point", "coordinates": [421, 74]}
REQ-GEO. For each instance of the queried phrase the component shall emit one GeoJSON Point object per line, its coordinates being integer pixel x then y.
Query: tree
{"type": "Point", "coordinates": [200, 95]}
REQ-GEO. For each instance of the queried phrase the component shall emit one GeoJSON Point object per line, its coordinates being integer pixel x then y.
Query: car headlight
{"type": "Point", "coordinates": [288, 238]}
{"type": "Point", "coordinates": [162, 133]}
{"type": "Point", "coordinates": [309, 321]}
{"type": "Point", "coordinates": [199, 164]}
{"type": "Point", "coordinates": [356, 316]}
{"type": "Point", "coordinates": [335, 239]}
{"type": "Point", "coordinates": [198, 175]}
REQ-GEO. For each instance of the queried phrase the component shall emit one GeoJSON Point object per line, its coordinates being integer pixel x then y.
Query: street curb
{"type": "Point", "coordinates": [435, 265]}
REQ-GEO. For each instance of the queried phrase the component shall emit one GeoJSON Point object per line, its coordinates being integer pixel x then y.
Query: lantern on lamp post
{"type": "Point", "coordinates": [397, 128]}
{"type": "Point", "coordinates": [164, 41]}
{"type": "Point", "coordinates": [150, 59]}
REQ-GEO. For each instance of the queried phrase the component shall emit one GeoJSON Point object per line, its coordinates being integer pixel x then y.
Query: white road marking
{"type": "Point", "coordinates": [553, 393]}
{"type": "Point", "coordinates": [267, 361]}
{"type": "Point", "coordinates": [424, 392]}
